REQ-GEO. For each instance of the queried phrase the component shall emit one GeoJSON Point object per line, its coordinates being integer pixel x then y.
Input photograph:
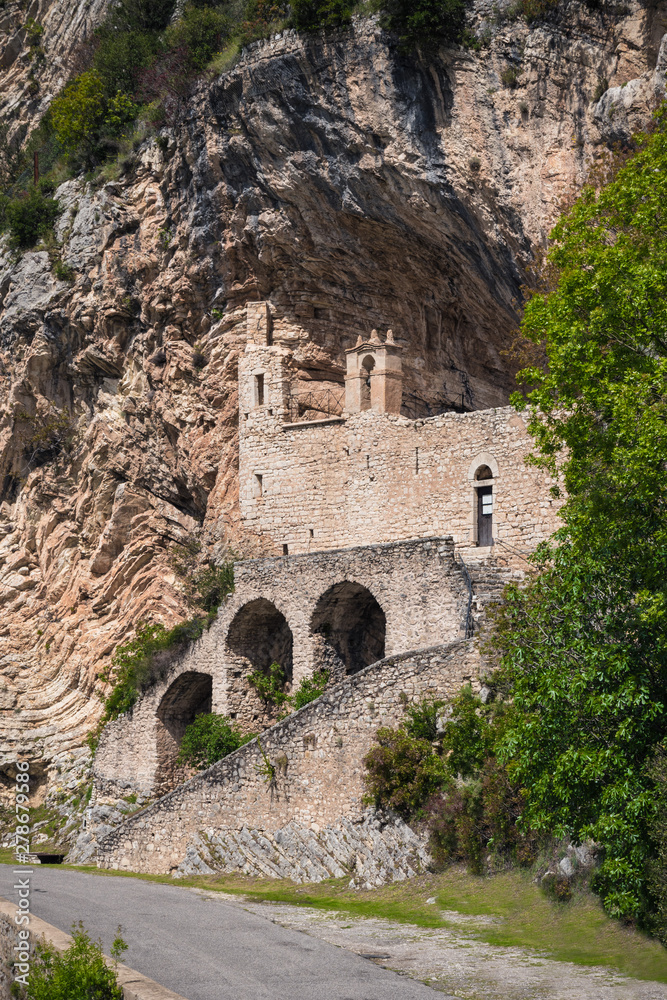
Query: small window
{"type": "Point", "coordinates": [285, 549]}
{"type": "Point", "coordinates": [257, 489]}
{"type": "Point", "coordinates": [259, 390]}
{"type": "Point", "coordinates": [484, 472]}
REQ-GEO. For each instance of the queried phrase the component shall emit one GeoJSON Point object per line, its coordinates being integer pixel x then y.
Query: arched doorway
{"type": "Point", "coordinates": [258, 637]}
{"type": "Point", "coordinates": [187, 697]}
{"type": "Point", "coordinates": [351, 628]}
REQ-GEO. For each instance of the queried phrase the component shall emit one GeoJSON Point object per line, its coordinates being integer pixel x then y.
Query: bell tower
{"type": "Point", "coordinates": [374, 379]}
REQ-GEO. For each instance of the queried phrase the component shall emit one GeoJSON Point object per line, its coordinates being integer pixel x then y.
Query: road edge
{"type": "Point", "coordinates": [135, 985]}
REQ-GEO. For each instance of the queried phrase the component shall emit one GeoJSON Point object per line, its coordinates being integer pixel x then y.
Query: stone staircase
{"type": "Point", "coordinates": [489, 574]}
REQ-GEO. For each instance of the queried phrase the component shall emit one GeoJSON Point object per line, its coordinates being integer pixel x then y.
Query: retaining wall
{"type": "Point", "coordinates": [317, 756]}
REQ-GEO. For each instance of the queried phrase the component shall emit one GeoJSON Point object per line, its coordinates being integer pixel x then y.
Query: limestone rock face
{"type": "Point", "coordinates": [349, 186]}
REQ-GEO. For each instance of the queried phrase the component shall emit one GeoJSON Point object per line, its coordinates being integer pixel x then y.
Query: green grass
{"type": "Point", "coordinates": [577, 931]}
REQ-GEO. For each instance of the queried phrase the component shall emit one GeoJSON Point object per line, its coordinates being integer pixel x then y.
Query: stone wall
{"type": "Point", "coordinates": [317, 755]}
{"type": "Point", "coordinates": [326, 600]}
{"type": "Point", "coordinates": [378, 477]}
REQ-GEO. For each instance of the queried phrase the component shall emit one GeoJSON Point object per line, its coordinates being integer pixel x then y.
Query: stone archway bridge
{"type": "Point", "coordinates": [390, 621]}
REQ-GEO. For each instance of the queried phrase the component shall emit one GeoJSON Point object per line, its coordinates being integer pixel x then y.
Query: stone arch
{"type": "Point", "coordinates": [188, 696]}
{"type": "Point", "coordinates": [349, 627]}
{"type": "Point", "coordinates": [258, 635]}
{"type": "Point", "coordinates": [485, 458]}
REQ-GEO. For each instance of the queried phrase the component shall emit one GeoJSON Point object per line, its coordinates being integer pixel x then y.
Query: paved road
{"type": "Point", "coordinates": [204, 949]}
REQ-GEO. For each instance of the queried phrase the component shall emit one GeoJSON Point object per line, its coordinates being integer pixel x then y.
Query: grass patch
{"type": "Point", "coordinates": [578, 931]}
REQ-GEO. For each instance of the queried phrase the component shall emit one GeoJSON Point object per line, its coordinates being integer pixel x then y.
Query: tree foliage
{"type": "Point", "coordinates": [584, 650]}
{"type": "Point", "coordinates": [208, 739]}
{"type": "Point", "coordinates": [29, 218]}
{"type": "Point", "coordinates": [315, 15]}
{"type": "Point", "coordinates": [427, 24]}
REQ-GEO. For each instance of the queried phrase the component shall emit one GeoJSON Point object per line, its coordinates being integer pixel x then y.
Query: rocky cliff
{"type": "Point", "coordinates": [349, 186]}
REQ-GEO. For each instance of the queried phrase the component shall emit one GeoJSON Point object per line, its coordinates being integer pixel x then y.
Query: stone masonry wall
{"type": "Point", "coordinates": [418, 585]}
{"type": "Point", "coordinates": [317, 754]}
{"type": "Point", "coordinates": [378, 477]}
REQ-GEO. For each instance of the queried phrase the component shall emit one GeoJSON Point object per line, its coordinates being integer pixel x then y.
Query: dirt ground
{"type": "Point", "coordinates": [451, 960]}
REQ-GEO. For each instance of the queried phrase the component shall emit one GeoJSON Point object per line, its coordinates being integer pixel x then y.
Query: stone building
{"type": "Point", "coordinates": [390, 531]}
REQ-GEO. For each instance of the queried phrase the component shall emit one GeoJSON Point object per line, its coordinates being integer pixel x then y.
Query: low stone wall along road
{"type": "Point", "coordinates": [205, 950]}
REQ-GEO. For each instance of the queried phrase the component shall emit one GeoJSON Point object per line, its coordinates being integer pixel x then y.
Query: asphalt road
{"type": "Point", "coordinates": [207, 949]}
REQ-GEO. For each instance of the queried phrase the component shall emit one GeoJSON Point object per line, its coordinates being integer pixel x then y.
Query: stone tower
{"type": "Point", "coordinates": [374, 379]}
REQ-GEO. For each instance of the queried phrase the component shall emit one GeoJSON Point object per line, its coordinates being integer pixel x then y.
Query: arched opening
{"type": "Point", "coordinates": [351, 628]}
{"type": "Point", "coordinates": [190, 695]}
{"type": "Point", "coordinates": [258, 637]}
{"type": "Point", "coordinates": [367, 366]}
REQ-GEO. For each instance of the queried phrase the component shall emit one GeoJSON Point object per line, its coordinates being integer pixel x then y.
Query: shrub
{"type": "Point", "coordinates": [312, 15]}
{"type": "Point", "coordinates": [81, 971]}
{"type": "Point", "coordinates": [261, 18]}
{"type": "Point", "coordinates": [140, 15]}
{"type": "Point", "coordinates": [470, 734]}
{"type": "Point", "coordinates": [136, 664]}
{"type": "Point", "coordinates": [601, 88]}
{"type": "Point", "coordinates": [467, 821]}
{"type": "Point", "coordinates": [422, 719]}
{"type": "Point", "coordinates": [201, 32]}
{"type": "Point", "coordinates": [120, 59]}
{"type": "Point", "coordinates": [30, 218]}
{"type": "Point", "coordinates": [424, 23]}
{"type": "Point", "coordinates": [208, 739]}
{"type": "Point", "coordinates": [77, 112]}
{"type": "Point", "coordinates": [510, 77]}
{"type": "Point", "coordinates": [309, 689]}
{"type": "Point", "coordinates": [270, 684]}
{"type": "Point", "coordinates": [403, 771]}
{"type": "Point", "coordinates": [82, 114]}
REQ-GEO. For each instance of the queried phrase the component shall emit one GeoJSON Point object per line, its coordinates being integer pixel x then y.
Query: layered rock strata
{"type": "Point", "coordinates": [346, 184]}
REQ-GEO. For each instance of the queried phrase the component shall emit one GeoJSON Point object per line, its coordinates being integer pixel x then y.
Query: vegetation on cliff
{"type": "Point", "coordinates": [582, 650]}
{"type": "Point", "coordinates": [137, 664]}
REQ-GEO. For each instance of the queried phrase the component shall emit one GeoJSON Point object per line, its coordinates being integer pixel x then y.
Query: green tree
{"type": "Point", "coordinates": [584, 650]}
{"type": "Point", "coordinates": [29, 218]}
{"type": "Point", "coordinates": [200, 32]}
{"type": "Point", "coordinates": [139, 15]}
{"type": "Point", "coordinates": [78, 112]}
{"type": "Point", "coordinates": [120, 59]}
{"type": "Point", "coordinates": [83, 113]}
{"type": "Point", "coordinates": [210, 738]}
{"type": "Point", "coordinates": [424, 23]}
{"type": "Point", "coordinates": [313, 15]}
